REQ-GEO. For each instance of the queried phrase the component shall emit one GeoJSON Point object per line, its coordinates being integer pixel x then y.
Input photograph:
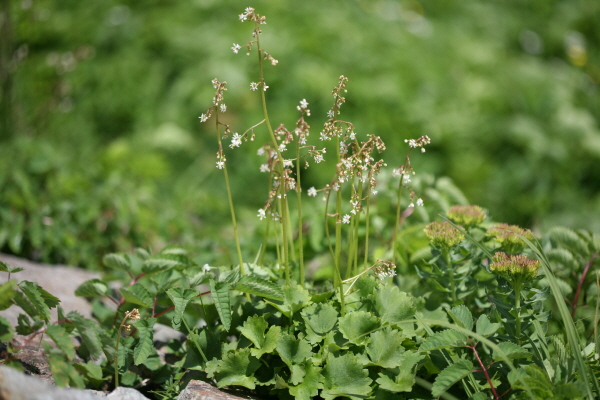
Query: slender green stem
{"type": "Point", "coordinates": [300, 226]}
{"type": "Point", "coordinates": [450, 267]}
{"type": "Point", "coordinates": [518, 312]}
{"type": "Point", "coordinates": [397, 225]}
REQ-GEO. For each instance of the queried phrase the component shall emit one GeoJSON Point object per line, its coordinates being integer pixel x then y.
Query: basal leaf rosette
{"type": "Point", "coordinates": [467, 216]}
{"type": "Point", "coordinates": [443, 235]}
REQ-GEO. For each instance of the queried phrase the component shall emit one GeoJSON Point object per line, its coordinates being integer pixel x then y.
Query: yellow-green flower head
{"type": "Point", "coordinates": [466, 215]}
{"type": "Point", "coordinates": [443, 234]}
{"type": "Point", "coordinates": [514, 266]}
{"type": "Point", "coordinates": [509, 234]}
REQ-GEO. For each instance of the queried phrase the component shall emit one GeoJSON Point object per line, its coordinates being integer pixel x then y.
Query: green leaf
{"type": "Point", "coordinates": [401, 379]}
{"type": "Point", "coordinates": [61, 337]}
{"type": "Point", "coordinates": [356, 326]}
{"type": "Point", "coordinates": [137, 294]}
{"type": "Point", "coordinates": [486, 328]}
{"type": "Point", "coordinates": [394, 306]}
{"type": "Point", "coordinates": [236, 368]}
{"type": "Point", "coordinates": [7, 268]}
{"type": "Point", "coordinates": [145, 344]}
{"type": "Point", "coordinates": [443, 340]}
{"type": "Point", "coordinates": [92, 288]}
{"type": "Point", "coordinates": [292, 350]}
{"type": "Point", "coordinates": [37, 304]}
{"type": "Point", "coordinates": [254, 329]}
{"type": "Point", "coordinates": [385, 348]}
{"type": "Point", "coordinates": [512, 351]}
{"type": "Point", "coordinates": [6, 331]}
{"type": "Point", "coordinates": [117, 261]}
{"type": "Point", "coordinates": [259, 287]}
{"type": "Point", "coordinates": [7, 293]}
{"type": "Point", "coordinates": [220, 295]}
{"type": "Point", "coordinates": [167, 259]}
{"type": "Point", "coordinates": [63, 371]}
{"type": "Point", "coordinates": [180, 298]}
{"type": "Point", "coordinates": [461, 316]}
{"type": "Point", "coordinates": [311, 383]}
{"type": "Point", "coordinates": [344, 376]}
{"type": "Point", "coordinates": [531, 378]}
{"type": "Point", "coordinates": [90, 333]}
{"type": "Point", "coordinates": [319, 318]}
{"type": "Point", "coordinates": [450, 375]}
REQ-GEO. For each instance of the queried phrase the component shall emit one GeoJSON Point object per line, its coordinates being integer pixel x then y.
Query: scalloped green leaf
{"type": "Point", "coordinates": [345, 376]}
{"type": "Point", "coordinates": [357, 326]}
{"type": "Point", "coordinates": [450, 375]}
{"type": "Point", "coordinates": [394, 306]}
{"type": "Point", "coordinates": [117, 261]}
{"type": "Point", "coordinates": [485, 327]}
{"type": "Point", "coordinates": [442, 340]}
{"type": "Point", "coordinates": [259, 287]}
{"type": "Point", "coordinates": [137, 294]}
{"type": "Point", "coordinates": [61, 337]}
{"type": "Point", "coordinates": [404, 379]}
{"type": "Point", "coordinates": [254, 329]}
{"type": "Point", "coordinates": [385, 348]}
{"type": "Point", "coordinates": [180, 298]}
{"type": "Point", "coordinates": [512, 351]}
{"type": "Point", "coordinates": [293, 350]}
{"type": "Point", "coordinates": [311, 382]}
{"type": "Point", "coordinates": [92, 288]}
{"type": "Point", "coordinates": [236, 368]}
{"type": "Point", "coordinates": [461, 316]}
{"type": "Point", "coordinates": [319, 318]}
{"type": "Point", "coordinates": [145, 345]}
{"type": "Point", "coordinates": [221, 298]}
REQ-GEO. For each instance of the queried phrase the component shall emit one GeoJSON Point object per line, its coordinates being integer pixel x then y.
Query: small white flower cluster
{"type": "Point", "coordinates": [206, 268]}
{"type": "Point", "coordinates": [346, 219]}
{"type": "Point", "coordinates": [236, 140]}
{"type": "Point", "coordinates": [312, 192]}
{"type": "Point", "coordinates": [236, 48]}
{"type": "Point", "coordinates": [419, 203]}
{"type": "Point", "coordinates": [254, 86]}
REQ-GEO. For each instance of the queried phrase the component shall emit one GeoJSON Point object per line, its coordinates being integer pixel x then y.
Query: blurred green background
{"type": "Point", "coordinates": [101, 148]}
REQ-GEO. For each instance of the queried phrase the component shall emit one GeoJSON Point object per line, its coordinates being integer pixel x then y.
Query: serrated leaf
{"type": "Point", "coordinates": [485, 327]}
{"type": "Point", "coordinates": [145, 344]}
{"type": "Point", "coordinates": [394, 306]}
{"type": "Point", "coordinates": [344, 376]}
{"type": "Point", "coordinates": [237, 368]}
{"type": "Point", "coordinates": [311, 383]}
{"type": "Point", "coordinates": [356, 326]}
{"type": "Point", "coordinates": [512, 351]}
{"type": "Point", "coordinates": [259, 287]}
{"type": "Point", "coordinates": [6, 331]}
{"type": "Point", "coordinates": [180, 298]}
{"type": "Point", "coordinates": [292, 350]}
{"type": "Point", "coordinates": [319, 320]}
{"type": "Point", "coordinates": [137, 294]}
{"type": "Point", "coordinates": [443, 340]}
{"type": "Point", "coordinates": [142, 253]}
{"type": "Point", "coordinates": [220, 295]}
{"type": "Point", "coordinates": [36, 305]}
{"type": "Point", "coordinates": [61, 337]}
{"type": "Point", "coordinates": [161, 263]}
{"type": "Point", "coordinates": [461, 316]}
{"type": "Point", "coordinates": [531, 378]}
{"type": "Point", "coordinates": [117, 261]}
{"type": "Point", "coordinates": [7, 293]}
{"type": "Point", "coordinates": [63, 372]}
{"type": "Point", "coordinates": [404, 380]}
{"type": "Point", "coordinates": [270, 342]}
{"type": "Point", "coordinates": [7, 268]}
{"type": "Point", "coordinates": [385, 348]}
{"type": "Point", "coordinates": [90, 370]}
{"type": "Point", "coordinates": [92, 288]}
{"type": "Point", "coordinates": [90, 333]}
{"type": "Point", "coordinates": [450, 375]}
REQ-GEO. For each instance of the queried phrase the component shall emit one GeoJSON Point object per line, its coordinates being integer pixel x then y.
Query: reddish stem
{"type": "Point", "coordinates": [485, 371]}
{"type": "Point", "coordinates": [580, 285]}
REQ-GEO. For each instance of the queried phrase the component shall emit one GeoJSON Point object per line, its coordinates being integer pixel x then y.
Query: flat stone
{"type": "Point", "coordinates": [200, 390]}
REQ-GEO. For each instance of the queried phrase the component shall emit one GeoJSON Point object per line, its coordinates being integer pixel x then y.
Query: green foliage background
{"type": "Point", "coordinates": [101, 147]}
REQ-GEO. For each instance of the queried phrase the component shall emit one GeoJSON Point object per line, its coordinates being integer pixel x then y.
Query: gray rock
{"type": "Point", "coordinates": [123, 393]}
{"type": "Point", "coordinates": [200, 390]}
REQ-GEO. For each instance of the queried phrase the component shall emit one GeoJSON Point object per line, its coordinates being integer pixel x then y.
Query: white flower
{"type": "Point", "coordinates": [274, 61]}
{"type": "Point", "coordinates": [346, 219]}
{"type": "Point", "coordinates": [422, 149]}
{"type": "Point", "coordinates": [203, 118]}
{"type": "Point", "coordinates": [411, 205]}
{"type": "Point", "coordinates": [303, 103]}
{"type": "Point", "coordinates": [318, 158]}
{"type": "Point", "coordinates": [312, 192]}
{"type": "Point", "coordinates": [374, 192]}
{"type": "Point", "coordinates": [206, 268]}
{"type": "Point", "coordinates": [288, 163]}
{"type": "Point", "coordinates": [253, 86]}
{"type": "Point", "coordinates": [236, 47]}
{"type": "Point", "coordinates": [323, 136]}
{"type": "Point", "coordinates": [220, 164]}
{"type": "Point", "coordinates": [282, 147]}
{"type": "Point", "coordinates": [236, 140]}
{"type": "Point", "coordinates": [330, 114]}
{"type": "Point", "coordinates": [243, 17]}
{"type": "Point", "coordinates": [419, 202]}
{"type": "Point", "coordinates": [264, 168]}
{"type": "Point", "coordinates": [223, 107]}
{"type": "Point", "coordinates": [261, 214]}
{"type": "Point", "coordinates": [265, 87]}
{"type": "Point", "coordinates": [260, 151]}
